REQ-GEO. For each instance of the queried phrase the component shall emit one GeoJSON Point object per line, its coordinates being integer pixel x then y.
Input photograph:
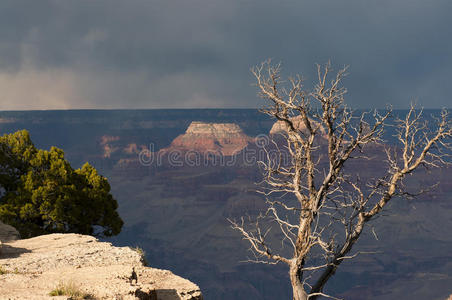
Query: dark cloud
{"type": "Point", "coordinates": [197, 53]}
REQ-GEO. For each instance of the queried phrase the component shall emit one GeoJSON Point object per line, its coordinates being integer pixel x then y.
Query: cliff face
{"type": "Point", "coordinates": [222, 138]}
{"type": "Point", "coordinates": [32, 268]}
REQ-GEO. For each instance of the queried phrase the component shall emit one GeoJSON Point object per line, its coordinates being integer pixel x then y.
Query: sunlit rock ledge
{"type": "Point", "coordinates": [33, 268]}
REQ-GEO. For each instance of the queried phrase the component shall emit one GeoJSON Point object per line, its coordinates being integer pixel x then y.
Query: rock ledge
{"type": "Point", "coordinates": [35, 266]}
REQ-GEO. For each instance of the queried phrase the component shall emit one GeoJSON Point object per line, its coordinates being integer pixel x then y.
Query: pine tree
{"type": "Point", "coordinates": [42, 193]}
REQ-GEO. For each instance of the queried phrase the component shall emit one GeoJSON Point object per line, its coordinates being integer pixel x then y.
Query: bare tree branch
{"type": "Point", "coordinates": [317, 195]}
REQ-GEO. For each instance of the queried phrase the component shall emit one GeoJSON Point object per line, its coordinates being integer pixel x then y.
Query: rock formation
{"type": "Point", "coordinates": [280, 127]}
{"type": "Point", "coordinates": [115, 146]}
{"type": "Point", "coordinates": [106, 142]}
{"type": "Point", "coordinates": [32, 268]}
{"type": "Point", "coordinates": [221, 138]}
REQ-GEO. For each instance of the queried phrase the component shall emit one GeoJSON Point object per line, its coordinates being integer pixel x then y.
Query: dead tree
{"type": "Point", "coordinates": [321, 209]}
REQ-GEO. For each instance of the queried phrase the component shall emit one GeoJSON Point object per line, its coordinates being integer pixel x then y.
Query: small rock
{"type": "Point", "coordinates": [8, 233]}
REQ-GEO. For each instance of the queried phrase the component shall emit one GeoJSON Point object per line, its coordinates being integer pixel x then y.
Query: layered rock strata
{"type": "Point", "coordinates": [221, 138]}
{"type": "Point", "coordinates": [280, 127]}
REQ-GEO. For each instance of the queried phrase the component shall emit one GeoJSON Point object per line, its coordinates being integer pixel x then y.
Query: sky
{"type": "Point", "coordinates": [134, 54]}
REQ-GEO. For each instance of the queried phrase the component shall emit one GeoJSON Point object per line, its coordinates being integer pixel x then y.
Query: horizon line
{"type": "Point", "coordinates": [155, 109]}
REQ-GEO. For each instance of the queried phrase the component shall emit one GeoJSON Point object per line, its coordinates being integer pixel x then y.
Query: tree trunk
{"type": "Point", "coordinates": [297, 287]}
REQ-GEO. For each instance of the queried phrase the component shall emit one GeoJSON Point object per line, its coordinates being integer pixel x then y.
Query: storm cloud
{"type": "Point", "coordinates": [197, 53]}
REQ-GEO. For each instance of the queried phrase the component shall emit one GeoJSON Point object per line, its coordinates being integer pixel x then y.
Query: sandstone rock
{"type": "Point", "coordinates": [38, 265]}
{"type": "Point", "coordinates": [221, 138]}
{"type": "Point", "coordinates": [223, 130]}
{"type": "Point", "coordinates": [106, 142]}
{"type": "Point", "coordinates": [280, 127]}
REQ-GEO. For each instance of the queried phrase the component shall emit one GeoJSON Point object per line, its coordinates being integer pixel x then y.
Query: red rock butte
{"type": "Point", "coordinates": [221, 138]}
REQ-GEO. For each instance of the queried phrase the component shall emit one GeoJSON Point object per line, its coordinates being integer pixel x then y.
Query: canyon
{"type": "Point", "coordinates": [178, 212]}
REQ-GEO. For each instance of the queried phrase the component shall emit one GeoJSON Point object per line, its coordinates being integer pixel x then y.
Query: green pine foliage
{"type": "Point", "coordinates": [42, 193]}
